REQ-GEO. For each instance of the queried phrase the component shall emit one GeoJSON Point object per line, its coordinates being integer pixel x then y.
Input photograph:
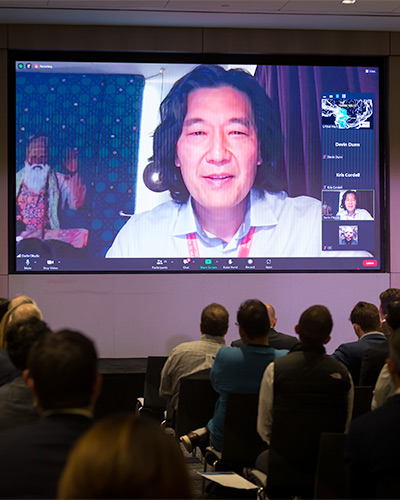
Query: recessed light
{"type": "Point", "coordinates": [349, 1]}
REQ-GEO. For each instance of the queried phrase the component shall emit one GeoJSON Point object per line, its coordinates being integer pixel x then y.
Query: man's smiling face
{"type": "Point", "coordinates": [217, 151]}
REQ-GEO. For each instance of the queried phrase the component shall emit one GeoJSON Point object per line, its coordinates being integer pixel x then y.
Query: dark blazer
{"type": "Point", "coordinates": [32, 456]}
{"type": "Point", "coordinates": [277, 340]}
{"type": "Point", "coordinates": [372, 363]}
{"type": "Point", "coordinates": [351, 354]}
{"type": "Point", "coordinates": [372, 454]}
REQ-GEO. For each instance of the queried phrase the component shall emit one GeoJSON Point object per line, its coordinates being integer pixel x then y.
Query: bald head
{"type": "Point", "coordinates": [271, 315]}
{"type": "Point", "coordinates": [20, 299]}
{"type": "Point", "coordinates": [25, 312]}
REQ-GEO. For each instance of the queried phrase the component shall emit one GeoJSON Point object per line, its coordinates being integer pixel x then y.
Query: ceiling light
{"type": "Point", "coordinates": [349, 1]}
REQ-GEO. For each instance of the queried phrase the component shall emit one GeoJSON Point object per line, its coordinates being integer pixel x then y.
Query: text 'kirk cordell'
{"type": "Point", "coordinates": [347, 144]}
{"type": "Point", "coordinates": [348, 174]}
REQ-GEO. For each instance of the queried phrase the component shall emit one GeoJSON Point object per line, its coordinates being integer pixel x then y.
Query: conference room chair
{"type": "Point", "coordinates": [151, 405]}
{"type": "Point", "coordinates": [196, 404]}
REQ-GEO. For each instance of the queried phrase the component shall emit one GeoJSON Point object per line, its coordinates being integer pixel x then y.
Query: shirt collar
{"type": "Point", "coordinates": [261, 213]}
{"type": "Point", "coordinates": [214, 338]}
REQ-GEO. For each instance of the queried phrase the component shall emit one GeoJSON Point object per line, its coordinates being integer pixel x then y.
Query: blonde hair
{"type": "Point", "coordinates": [7, 319]}
{"type": "Point", "coordinates": [123, 456]}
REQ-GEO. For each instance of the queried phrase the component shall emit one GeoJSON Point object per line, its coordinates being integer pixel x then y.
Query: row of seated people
{"type": "Point", "coordinates": [50, 444]}
{"type": "Point", "coordinates": [289, 381]}
{"type": "Point", "coordinates": [299, 380]}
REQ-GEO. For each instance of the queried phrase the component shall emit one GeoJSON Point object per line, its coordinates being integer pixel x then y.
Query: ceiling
{"type": "Point", "coordinates": [381, 15]}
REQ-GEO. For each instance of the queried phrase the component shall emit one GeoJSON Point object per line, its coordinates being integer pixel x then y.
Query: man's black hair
{"type": "Point", "coordinates": [64, 369]}
{"type": "Point", "coordinates": [315, 325]}
{"type": "Point", "coordinates": [253, 318]}
{"type": "Point", "coordinates": [393, 314]}
{"type": "Point", "coordinates": [173, 111]}
{"type": "Point", "coordinates": [349, 191]}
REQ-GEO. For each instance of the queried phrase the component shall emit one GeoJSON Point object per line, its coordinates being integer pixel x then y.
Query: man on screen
{"type": "Point", "coordinates": [215, 151]}
{"type": "Point", "coordinates": [42, 193]}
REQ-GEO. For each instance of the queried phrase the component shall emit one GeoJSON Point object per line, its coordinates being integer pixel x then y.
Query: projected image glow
{"type": "Point", "coordinates": [190, 166]}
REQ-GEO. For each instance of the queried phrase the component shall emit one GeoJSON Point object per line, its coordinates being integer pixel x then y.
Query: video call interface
{"type": "Point", "coordinates": [194, 166]}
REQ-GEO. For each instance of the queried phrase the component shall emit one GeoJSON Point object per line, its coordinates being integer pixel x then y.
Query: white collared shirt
{"type": "Point", "coordinates": [284, 227]}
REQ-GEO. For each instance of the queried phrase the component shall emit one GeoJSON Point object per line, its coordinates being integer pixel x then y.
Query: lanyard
{"type": "Point", "coordinates": [244, 245]}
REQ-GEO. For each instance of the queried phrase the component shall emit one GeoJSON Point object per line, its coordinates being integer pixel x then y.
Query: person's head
{"type": "Point", "coordinates": [20, 299]}
{"type": "Point", "coordinates": [349, 201]}
{"type": "Point", "coordinates": [253, 320]}
{"type": "Point", "coordinates": [4, 303]}
{"type": "Point", "coordinates": [387, 296]}
{"type": "Point", "coordinates": [315, 325]}
{"type": "Point", "coordinates": [36, 163]}
{"type": "Point", "coordinates": [348, 233]}
{"type": "Point", "coordinates": [62, 371]}
{"type": "Point", "coordinates": [217, 137]}
{"type": "Point", "coordinates": [271, 315]}
{"type": "Point", "coordinates": [393, 314]}
{"type": "Point", "coordinates": [71, 160]}
{"type": "Point", "coordinates": [365, 316]}
{"type": "Point", "coordinates": [20, 308]}
{"type": "Point", "coordinates": [21, 336]}
{"type": "Point", "coordinates": [393, 363]}
{"type": "Point", "coordinates": [214, 320]}
{"type": "Point", "coordinates": [23, 312]}
{"type": "Point", "coordinates": [123, 456]}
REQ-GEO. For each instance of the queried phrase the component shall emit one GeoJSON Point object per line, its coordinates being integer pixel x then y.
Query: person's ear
{"type": "Point", "coordinates": [327, 340]}
{"type": "Point", "coordinates": [177, 161]}
{"type": "Point", "coordinates": [31, 385]}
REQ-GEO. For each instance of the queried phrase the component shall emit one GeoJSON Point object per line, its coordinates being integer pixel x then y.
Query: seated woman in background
{"type": "Point", "coordinates": [123, 456]}
{"type": "Point", "coordinates": [348, 208]}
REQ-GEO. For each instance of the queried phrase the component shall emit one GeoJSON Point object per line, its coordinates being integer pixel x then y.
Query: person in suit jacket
{"type": "Point", "coordinates": [372, 454]}
{"type": "Point", "coordinates": [365, 320]}
{"type": "Point", "coordinates": [277, 340]}
{"type": "Point", "coordinates": [374, 358]}
{"type": "Point", "coordinates": [62, 375]}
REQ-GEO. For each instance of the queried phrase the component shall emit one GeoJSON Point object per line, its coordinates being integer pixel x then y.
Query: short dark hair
{"type": "Point", "coordinates": [315, 325]}
{"type": "Point", "coordinates": [20, 338]}
{"type": "Point", "coordinates": [64, 369]}
{"type": "Point", "coordinates": [387, 296]}
{"type": "Point", "coordinates": [4, 303]}
{"type": "Point", "coordinates": [349, 191]}
{"type": "Point", "coordinates": [365, 315]}
{"type": "Point", "coordinates": [173, 111]}
{"type": "Point", "coordinates": [393, 314]}
{"type": "Point", "coordinates": [214, 320]}
{"type": "Point", "coordinates": [253, 318]}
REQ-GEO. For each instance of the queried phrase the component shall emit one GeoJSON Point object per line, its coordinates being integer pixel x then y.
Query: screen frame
{"type": "Point", "coordinates": [202, 58]}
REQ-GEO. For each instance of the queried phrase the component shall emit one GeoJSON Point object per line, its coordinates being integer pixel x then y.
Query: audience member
{"type": "Point", "coordinates": [123, 456]}
{"type": "Point", "coordinates": [315, 392]}
{"type": "Point", "coordinates": [192, 357]}
{"type": "Point", "coordinates": [366, 322]}
{"type": "Point", "coordinates": [62, 374]}
{"type": "Point", "coordinates": [4, 303]}
{"type": "Point", "coordinates": [238, 370]}
{"type": "Point", "coordinates": [384, 387]}
{"type": "Point", "coordinates": [374, 358]}
{"type": "Point", "coordinates": [16, 399]}
{"type": "Point", "coordinates": [277, 340]}
{"type": "Point", "coordinates": [8, 371]}
{"type": "Point", "coordinates": [374, 440]}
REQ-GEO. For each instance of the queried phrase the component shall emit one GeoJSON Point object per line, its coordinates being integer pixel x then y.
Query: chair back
{"type": "Point", "coordinates": [294, 447]}
{"type": "Point", "coordinates": [196, 404]}
{"type": "Point", "coordinates": [331, 477]}
{"type": "Point", "coordinates": [362, 400]}
{"type": "Point", "coordinates": [153, 405]}
{"type": "Point", "coordinates": [241, 442]}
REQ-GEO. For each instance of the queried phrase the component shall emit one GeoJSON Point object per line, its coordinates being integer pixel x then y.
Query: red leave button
{"type": "Point", "coordinates": [370, 263]}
